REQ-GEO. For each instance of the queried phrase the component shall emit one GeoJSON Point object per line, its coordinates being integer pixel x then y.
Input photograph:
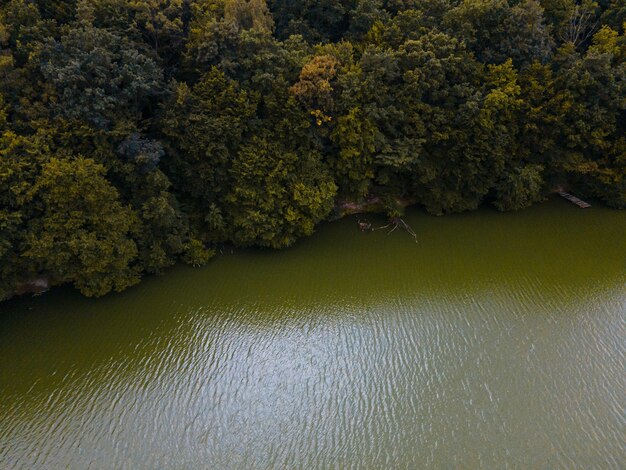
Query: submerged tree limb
{"type": "Point", "coordinates": [395, 223]}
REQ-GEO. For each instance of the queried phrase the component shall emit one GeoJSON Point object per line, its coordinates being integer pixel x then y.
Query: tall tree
{"type": "Point", "coordinates": [83, 235]}
{"type": "Point", "coordinates": [249, 14]}
{"type": "Point", "coordinates": [278, 194]}
{"type": "Point", "coordinates": [98, 76]}
{"type": "Point", "coordinates": [496, 31]}
{"type": "Point", "coordinates": [205, 126]}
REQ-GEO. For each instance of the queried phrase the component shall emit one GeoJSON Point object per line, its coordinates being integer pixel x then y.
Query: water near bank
{"type": "Point", "coordinates": [498, 340]}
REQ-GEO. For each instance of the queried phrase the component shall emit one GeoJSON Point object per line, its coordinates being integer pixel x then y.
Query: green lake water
{"type": "Point", "coordinates": [498, 340]}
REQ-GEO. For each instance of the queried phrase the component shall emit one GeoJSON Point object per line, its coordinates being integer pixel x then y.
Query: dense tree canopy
{"type": "Point", "coordinates": [136, 133]}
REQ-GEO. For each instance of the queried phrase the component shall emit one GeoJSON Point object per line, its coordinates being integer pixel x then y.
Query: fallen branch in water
{"type": "Point", "coordinates": [365, 225]}
{"type": "Point", "coordinates": [395, 223]}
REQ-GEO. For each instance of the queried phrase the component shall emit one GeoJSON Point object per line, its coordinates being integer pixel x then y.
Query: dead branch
{"type": "Point", "coordinates": [396, 223]}
{"type": "Point", "coordinates": [579, 27]}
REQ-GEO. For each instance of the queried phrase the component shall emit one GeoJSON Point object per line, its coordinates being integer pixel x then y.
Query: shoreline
{"type": "Point", "coordinates": [344, 208]}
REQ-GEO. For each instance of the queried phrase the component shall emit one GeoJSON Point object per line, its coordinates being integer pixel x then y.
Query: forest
{"type": "Point", "coordinates": [135, 134]}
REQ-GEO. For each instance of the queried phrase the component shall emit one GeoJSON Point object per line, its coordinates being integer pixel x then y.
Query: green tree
{"type": "Point", "coordinates": [83, 235]}
{"type": "Point", "coordinates": [249, 14]}
{"type": "Point", "coordinates": [160, 22]}
{"type": "Point", "coordinates": [205, 126]}
{"type": "Point", "coordinates": [591, 121]}
{"type": "Point", "coordinates": [519, 188]}
{"type": "Point", "coordinates": [98, 76]}
{"type": "Point", "coordinates": [614, 15]}
{"type": "Point", "coordinates": [496, 31]}
{"type": "Point", "coordinates": [278, 194]}
{"type": "Point", "coordinates": [519, 182]}
{"type": "Point", "coordinates": [355, 139]}
{"type": "Point", "coordinates": [315, 20]}
{"type": "Point", "coordinates": [451, 170]}
{"type": "Point", "coordinates": [163, 233]}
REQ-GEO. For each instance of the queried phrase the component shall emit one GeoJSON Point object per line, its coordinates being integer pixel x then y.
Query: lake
{"type": "Point", "coordinates": [498, 340]}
